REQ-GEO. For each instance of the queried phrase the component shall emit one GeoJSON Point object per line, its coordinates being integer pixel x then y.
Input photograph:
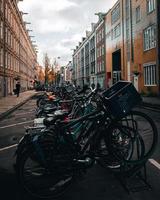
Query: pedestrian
{"type": "Point", "coordinates": [18, 86]}
{"type": "Point", "coordinates": [93, 86]}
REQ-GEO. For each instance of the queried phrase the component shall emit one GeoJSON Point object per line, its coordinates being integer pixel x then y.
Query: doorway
{"type": "Point", "coordinates": [116, 66]}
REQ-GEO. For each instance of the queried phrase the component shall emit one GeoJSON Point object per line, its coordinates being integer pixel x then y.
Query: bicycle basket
{"type": "Point", "coordinates": [121, 98]}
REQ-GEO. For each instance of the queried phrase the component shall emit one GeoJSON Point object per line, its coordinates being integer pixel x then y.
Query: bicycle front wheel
{"type": "Point", "coordinates": [40, 181]}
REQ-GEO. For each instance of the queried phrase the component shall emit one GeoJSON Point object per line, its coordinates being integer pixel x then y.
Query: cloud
{"type": "Point", "coordinates": [60, 24]}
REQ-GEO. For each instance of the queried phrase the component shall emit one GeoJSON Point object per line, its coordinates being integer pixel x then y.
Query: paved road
{"type": "Point", "coordinates": [97, 184]}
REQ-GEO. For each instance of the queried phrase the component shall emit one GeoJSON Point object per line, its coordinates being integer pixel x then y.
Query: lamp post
{"type": "Point", "coordinates": [26, 23]}
{"type": "Point", "coordinates": [23, 13]}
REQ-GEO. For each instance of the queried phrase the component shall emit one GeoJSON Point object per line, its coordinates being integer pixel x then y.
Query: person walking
{"type": "Point", "coordinates": [18, 87]}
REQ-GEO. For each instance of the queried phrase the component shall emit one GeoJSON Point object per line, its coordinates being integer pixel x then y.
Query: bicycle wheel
{"type": "Point", "coordinates": [144, 129]}
{"type": "Point", "coordinates": [43, 181]}
{"type": "Point", "coordinates": [115, 146]}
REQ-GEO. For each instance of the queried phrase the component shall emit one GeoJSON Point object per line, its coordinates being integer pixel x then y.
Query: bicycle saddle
{"type": "Point", "coordinates": [60, 114]}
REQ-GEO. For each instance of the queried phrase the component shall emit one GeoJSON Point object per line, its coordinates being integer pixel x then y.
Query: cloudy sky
{"type": "Point", "coordinates": [60, 24]}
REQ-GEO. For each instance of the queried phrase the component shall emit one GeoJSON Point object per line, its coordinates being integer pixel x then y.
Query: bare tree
{"type": "Point", "coordinates": [47, 67]}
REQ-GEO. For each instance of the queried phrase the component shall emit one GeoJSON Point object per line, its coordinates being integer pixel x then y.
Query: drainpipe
{"type": "Point", "coordinates": [4, 52]}
{"type": "Point", "coordinates": [124, 64]}
{"type": "Point", "coordinates": [131, 18]}
{"type": "Point", "coordinates": [158, 42]}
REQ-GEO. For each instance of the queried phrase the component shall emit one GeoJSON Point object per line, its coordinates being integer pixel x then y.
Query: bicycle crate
{"type": "Point", "coordinates": [121, 98]}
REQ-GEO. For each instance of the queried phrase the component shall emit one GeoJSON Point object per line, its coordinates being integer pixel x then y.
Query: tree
{"type": "Point", "coordinates": [51, 77]}
{"type": "Point", "coordinates": [47, 68]}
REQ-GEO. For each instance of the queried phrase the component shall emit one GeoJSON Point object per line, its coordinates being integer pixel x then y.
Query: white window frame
{"type": "Point", "coordinates": [115, 14]}
{"type": "Point", "coordinates": [151, 4]}
{"type": "Point", "coordinates": [150, 78]}
{"type": "Point", "coordinates": [149, 38]}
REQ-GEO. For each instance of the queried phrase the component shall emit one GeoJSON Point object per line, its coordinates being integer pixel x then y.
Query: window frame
{"type": "Point", "coordinates": [148, 8]}
{"type": "Point", "coordinates": [149, 74]}
{"type": "Point", "coordinates": [138, 14]}
{"type": "Point", "coordinates": [149, 38]}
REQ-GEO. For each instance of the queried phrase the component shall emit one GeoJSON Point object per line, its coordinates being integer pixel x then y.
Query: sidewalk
{"type": "Point", "coordinates": [153, 102]}
{"type": "Point", "coordinates": [10, 103]}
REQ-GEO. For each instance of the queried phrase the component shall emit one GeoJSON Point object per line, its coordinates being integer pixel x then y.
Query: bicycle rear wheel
{"type": "Point", "coordinates": [127, 144]}
{"type": "Point", "coordinates": [115, 146]}
{"type": "Point", "coordinates": [144, 133]}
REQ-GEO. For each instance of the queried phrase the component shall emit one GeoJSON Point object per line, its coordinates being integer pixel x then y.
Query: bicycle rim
{"type": "Point", "coordinates": [40, 182]}
{"type": "Point", "coordinates": [145, 136]}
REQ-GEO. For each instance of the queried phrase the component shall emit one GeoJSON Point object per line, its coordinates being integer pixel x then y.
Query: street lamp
{"type": "Point", "coordinates": [23, 13]}
{"type": "Point", "coordinates": [26, 22]}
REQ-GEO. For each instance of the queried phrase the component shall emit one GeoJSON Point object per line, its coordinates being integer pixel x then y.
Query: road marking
{"type": "Point", "coordinates": [9, 147]}
{"type": "Point", "coordinates": [24, 113]}
{"type": "Point", "coordinates": [16, 124]}
{"type": "Point", "coordinates": [155, 163]}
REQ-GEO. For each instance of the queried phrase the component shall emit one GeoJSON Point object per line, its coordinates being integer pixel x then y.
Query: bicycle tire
{"type": "Point", "coordinates": [117, 146]}
{"type": "Point", "coordinates": [143, 122]}
{"type": "Point", "coordinates": [131, 164]}
{"type": "Point", "coordinates": [32, 189]}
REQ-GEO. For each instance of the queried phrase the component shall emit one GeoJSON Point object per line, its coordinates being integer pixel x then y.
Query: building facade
{"type": "Point", "coordinates": [68, 72]}
{"type": "Point", "coordinates": [87, 56]}
{"type": "Point", "coordinates": [131, 44]}
{"type": "Point", "coordinates": [126, 41]}
{"type": "Point", "coordinates": [100, 52]}
{"type": "Point", "coordinates": [18, 58]}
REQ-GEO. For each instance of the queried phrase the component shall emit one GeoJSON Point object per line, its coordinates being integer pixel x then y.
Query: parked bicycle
{"type": "Point", "coordinates": [108, 131]}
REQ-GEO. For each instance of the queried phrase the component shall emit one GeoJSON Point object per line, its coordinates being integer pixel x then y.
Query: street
{"type": "Point", "coordinates": [97, 183]}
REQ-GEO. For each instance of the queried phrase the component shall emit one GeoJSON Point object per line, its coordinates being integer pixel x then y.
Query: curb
{"type": "Point", "coordinates": [5, 114]}
{"type": "Point", "coordinates": [152, 106]}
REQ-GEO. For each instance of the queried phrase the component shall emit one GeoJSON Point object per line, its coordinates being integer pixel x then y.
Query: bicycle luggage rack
{"type": "Point", "coordinates": [121, 98]}
{"type": "Point", "coordinates": [135, 182]}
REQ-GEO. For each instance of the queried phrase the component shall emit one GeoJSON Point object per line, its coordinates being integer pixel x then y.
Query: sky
{"type": "Point", "coordinates": [59, 25]}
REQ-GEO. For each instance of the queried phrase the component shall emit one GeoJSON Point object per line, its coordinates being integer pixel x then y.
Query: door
{"type": "Point", "coordinates": [116, 66]}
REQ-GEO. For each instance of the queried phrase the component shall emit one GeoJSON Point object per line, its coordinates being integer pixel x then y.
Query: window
{"type": "Point", "coordinates": [103, 49]}
{"type": "Point", "coordinates": [1, 29]}
{"type": "Point", "coordinates": [149, 37]}
{"type": "Point", "coordinates": [102, 33]}
{"type": "Point", "coordinates": [1, 57]}
{"type": "Point", "coordinates": [116, 32]}
{"type": "Point", "coordinates": [115, 15]}
{"type": "Point", "coordinates": [138, 14]}
{"type": "Point", "coordinates": [150, 5]}
{"type": "Point", "coordinates": [1, 5]}
{"type": "Point", "coordinates": [150, 75]}
{"type": "Point", "coordinates": [103, 65]}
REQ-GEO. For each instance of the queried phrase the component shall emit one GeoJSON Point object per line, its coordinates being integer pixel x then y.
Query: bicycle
{"type": "Point", "coordinates": [61, 155]}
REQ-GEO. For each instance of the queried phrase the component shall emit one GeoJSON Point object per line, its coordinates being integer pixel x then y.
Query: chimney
{"type": "Point", "coordinates": [87, 33]}
{"type": "Point", "coordinates": [92, 26]}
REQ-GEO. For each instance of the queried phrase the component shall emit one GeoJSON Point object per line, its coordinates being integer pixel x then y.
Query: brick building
{"type": "Point", "coordinates": [89, 54]}
{"type": "Point", "coordinates": [126, 44]}
{"type": "Point", "coordinates": [18, 58]}
{"type": "Point", "coordinates": [100, 48]}
{"type": "Point", "coordinates": [131, 44]}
